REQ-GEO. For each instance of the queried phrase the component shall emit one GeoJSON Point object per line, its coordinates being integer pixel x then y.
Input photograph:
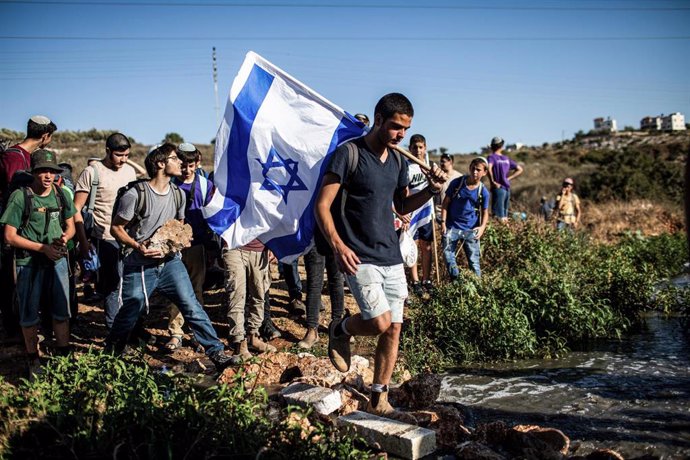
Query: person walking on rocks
{"type": "Point", "coordinates": [95, 192]}
{"type": "Point", "coordinates": [247, 280]}
{"type": "Point", "coordinates": [147, 269]}
{"type": "Point", "coordinates": [500, 167]}
{"type": "Point", "coordinates": [353, 210]}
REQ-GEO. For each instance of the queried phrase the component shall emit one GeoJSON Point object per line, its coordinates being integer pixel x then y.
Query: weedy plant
{"type": "Point", "coordinates": [542, 291]}
{"type": "Point", "coordinates": [98, 406]}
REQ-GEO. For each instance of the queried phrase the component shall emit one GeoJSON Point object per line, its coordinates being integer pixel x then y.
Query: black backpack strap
{"type": "Point", "coordinates": [352, 161]}
{"type": "Point", "coordinates": [28, 208]}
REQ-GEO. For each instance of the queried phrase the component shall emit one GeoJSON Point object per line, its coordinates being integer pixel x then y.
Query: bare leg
{"type": "Point", "coordinates": [386, 354]}
{"type": "Point", "coordinates": [356, 325]}
{"type": "Point", "coordinates": [61, 331]}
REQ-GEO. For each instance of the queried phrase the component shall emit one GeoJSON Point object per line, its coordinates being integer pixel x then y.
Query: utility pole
{"type": "Point", "coordinates": [215, 86]}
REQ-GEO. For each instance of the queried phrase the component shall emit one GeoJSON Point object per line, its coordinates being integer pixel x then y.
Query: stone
{"type": "Point", "coordinates": [552, 437]}
{"type": "Point", "coordinates": [493, 433]}
{"type": "Point", "coordinates": [473, 450]}
{"type": "Point", "coordinates": [396, 438]}
{"type": "Point", "coordinates": [420, 392]}
{"type": "Point", "coordinates": [525, 444]}
{"type": "Point", "coordinates": [324, 400]}
{"type": "Point", "coordinates": [172, 236]}
{"type": "Point", "coordinates": [604, 454]}
{"type": "Point", "coordinates": [352, 399]}
{"type": "Point", "coordinates": [447, 422]}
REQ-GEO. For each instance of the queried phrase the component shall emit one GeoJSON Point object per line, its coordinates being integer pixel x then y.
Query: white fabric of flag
{"type": "Point", "coordinates": [422, 215]}
{"type": "Point", "coordinates": [271, 151]}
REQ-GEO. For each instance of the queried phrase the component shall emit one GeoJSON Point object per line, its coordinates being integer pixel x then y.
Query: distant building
{"type": "Point", "coordinates": [673, 122]}
{"type": "Point", "coordinates": [650, 124]}
{"type": "Point", "coordinates": [607, 125]}
{"type": "Point", "coordinates": [514, 147]}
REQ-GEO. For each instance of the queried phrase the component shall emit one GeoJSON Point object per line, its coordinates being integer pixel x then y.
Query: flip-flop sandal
{"type": "Point", "coordinates": [174, 343]}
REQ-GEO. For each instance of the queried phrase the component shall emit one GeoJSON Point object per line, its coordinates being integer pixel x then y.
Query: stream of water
{"type": "Point", "coordinates": [631, 395]}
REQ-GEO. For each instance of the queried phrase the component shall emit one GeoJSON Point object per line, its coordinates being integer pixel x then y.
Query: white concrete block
{"type": "Point", "coordinates": [397, 438]}
{"type": "Point", "coordinates": [323, 400]}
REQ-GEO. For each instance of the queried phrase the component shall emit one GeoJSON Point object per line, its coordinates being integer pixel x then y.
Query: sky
{"type": "Point", "coordinates": [530, 71]}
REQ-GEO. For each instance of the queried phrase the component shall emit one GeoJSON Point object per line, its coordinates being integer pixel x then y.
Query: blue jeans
{"type": "Point", "coordinates": [294, 283]}
{"type": "Point", "coordinates": [470, 244]}
{"type": "Point", "coordinates": [35, 280]}
{"type": "Point", "coordinates": [108, 280]}
{"type": "Point", "coordinates": [171, 279]}
{"type": "Point", "coordinates": [500, 198]}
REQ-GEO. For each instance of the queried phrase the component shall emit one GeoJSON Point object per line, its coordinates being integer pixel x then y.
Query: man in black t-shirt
{"type": "Point", "coordinates": [360, 231]}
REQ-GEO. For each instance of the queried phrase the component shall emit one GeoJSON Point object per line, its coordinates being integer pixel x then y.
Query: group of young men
{"type": "Point", "coordinates": [115, 216]}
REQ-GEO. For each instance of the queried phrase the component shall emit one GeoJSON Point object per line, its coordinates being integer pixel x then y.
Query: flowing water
{"type": "Point", "coordinates": [631, 395]}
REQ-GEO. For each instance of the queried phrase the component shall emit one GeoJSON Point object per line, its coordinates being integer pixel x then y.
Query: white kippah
{"type": "Point", "coordinates": [154, 147]}
{"type": "Point", "coordinates": [40, 120]}
{"type": "Point", "coordinates": [186, 147]}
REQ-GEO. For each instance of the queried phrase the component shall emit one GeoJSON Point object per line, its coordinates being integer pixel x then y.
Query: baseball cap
{"type": "Point", "coordinates": [44, 159]}
{"type": "Point", "coordinates": [568, 181]}
{"type": "Point", "coordinates": [40, 120]}
{"type": "Point", "coordinates": [497, 142]}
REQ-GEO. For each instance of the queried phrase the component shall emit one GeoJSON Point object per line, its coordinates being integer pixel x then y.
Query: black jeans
{"type": "Point", "coordinates": [315, 264]}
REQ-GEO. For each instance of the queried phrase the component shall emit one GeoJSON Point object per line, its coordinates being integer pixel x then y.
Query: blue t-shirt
{"type": "Point", "coordinates": [203, 190]}
{"type": "Point", "coordinates": [462, 211]}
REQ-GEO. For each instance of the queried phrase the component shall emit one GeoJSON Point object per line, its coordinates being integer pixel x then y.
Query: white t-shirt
{"type": "Point", "coordinates": [109, 182]}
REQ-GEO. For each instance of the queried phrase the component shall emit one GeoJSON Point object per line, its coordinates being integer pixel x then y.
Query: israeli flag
{"type": "Point", "coordinates": [271, 151]}
{"type": "Point", "coordinates": [423, 215]}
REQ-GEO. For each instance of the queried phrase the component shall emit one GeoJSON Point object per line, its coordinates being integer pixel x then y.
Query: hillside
{"type": "Point", "coordinates": [628, 181]}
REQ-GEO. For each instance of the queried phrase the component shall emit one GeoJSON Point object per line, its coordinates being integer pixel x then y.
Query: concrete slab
{"type": "Point", "coordinates": [397, 438]}
{"type": "Point", "coordinates": [324, 400]}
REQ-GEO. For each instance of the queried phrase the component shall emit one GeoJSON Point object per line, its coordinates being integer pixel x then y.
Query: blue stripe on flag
{"type": "Point", "coordinates": [245, 106]}
{"type": "Point", "coordinates": [296, 243]}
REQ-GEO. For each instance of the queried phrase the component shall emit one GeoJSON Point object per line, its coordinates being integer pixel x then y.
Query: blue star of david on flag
{"type": "Point", "coordinates": [290, 166]}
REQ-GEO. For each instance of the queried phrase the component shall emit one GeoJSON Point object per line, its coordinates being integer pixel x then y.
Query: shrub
{"type": "Point", "coordinates": [542, 291]}
{"type": "Point", "coordinates": [99, 406]}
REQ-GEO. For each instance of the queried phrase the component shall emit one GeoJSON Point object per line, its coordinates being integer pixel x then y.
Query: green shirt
{"type": "Point", "coordinates": [44, 208]}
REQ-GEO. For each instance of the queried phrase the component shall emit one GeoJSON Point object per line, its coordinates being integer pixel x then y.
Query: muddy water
{"type": "Point", "coordinates": [631, 395]}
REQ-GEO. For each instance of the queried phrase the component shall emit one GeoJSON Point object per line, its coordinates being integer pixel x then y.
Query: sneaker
{"type": "Point", "coordinates": [269, 331]}
{"type": "Point", "coordinates": [256, 344]}
{"type": "Point", "coordinates": [297, 309]}
{"type": "Point", "coordinates": [384, 409]}
{"type": "Point", "coordinates": [338, 347]}
{"type": "Point", "coordinates": [417, 289]}
{"type": "Point", "coordinates": [222, 361]}
{"type": "Point", "coordinates": [310, 338]}
{"type": "Point", "coordinates": [428, 286]}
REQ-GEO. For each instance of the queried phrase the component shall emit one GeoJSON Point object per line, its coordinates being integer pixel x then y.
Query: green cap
{"type": "Point", "coordinates": [44, 159]}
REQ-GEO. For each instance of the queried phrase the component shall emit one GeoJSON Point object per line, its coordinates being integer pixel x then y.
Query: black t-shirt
{"type": "Point", "coordinates": [368, 227]}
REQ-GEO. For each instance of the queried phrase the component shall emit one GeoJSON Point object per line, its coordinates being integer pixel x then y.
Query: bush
{"type": "Point", "coordinates": [542, 291]}
{"type": "Point", "coordinates": [99, 406]}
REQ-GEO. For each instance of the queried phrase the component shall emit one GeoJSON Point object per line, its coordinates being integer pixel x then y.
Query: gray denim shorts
{"type": "Point", "coordinates": [378, 290]}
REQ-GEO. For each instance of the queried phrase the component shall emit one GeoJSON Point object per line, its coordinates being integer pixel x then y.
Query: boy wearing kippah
{"type": "Point", "coordinates": [40, 241]}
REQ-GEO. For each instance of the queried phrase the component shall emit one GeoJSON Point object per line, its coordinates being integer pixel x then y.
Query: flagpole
{"type": "Point", "coordinates": [412, 158]}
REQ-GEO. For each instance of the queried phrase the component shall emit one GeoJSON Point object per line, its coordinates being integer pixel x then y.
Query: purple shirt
{"type": "Point", "coordinates": [501, 165]}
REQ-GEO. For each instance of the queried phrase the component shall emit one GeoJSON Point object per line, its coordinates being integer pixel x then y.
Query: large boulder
{"type": "Point", "coordinates": [447, 422]}
{"type": "Point", "coordinates": [555, 439]}
{"type": "Point", "coordinates": [417, 393]}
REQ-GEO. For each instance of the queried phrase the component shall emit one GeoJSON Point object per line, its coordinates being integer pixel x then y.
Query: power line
{"type": "Point", "coordinates": [358, 6]}
{"type": "Point", "coordinates": [341, 38]}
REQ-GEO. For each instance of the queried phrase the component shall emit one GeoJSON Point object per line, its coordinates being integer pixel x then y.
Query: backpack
{"type": "Point", "coordinates": [480, 195]}
{"type": "Point", "coordinates": [21, 178]}
{"type": "Point", "coordinates": [87, 211]}
{"type": "Point", "coordinates": [322, 245]}
{"type": "Point", "coordinates": [63, 206]}
{"type": "Point", "coordinates": [140, 208]}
